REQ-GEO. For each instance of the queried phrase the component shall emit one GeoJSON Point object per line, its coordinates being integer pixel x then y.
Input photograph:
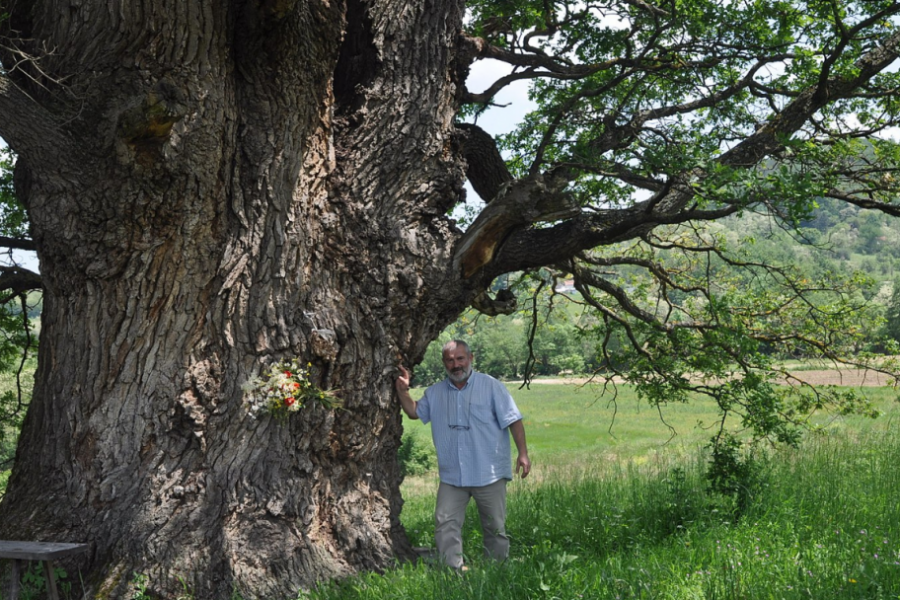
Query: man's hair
{"type": "Point", "coordinates": [455, 343]}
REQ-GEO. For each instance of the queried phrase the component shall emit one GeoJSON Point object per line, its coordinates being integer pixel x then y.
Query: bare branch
{"type": "Point", "coordinates": [587, 278]}
{"type": "Point", "coordinates": [532, 247]}
{"type": "Point", "coordinates": [17, 243]}
{"type": "Point", "coordinates": [647, 7]}
{"type": "Point", "coordinates": [528, 369]}
{"type": "Point", "coordinates": [535, 66]}
{"type": "Point", "coordinates": [887, 208]}
{"type": "Point", "coordinates": [18, 280]}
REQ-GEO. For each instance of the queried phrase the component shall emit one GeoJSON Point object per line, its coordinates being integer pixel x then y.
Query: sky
{"type": "Point", "coordinates": [500, 119]}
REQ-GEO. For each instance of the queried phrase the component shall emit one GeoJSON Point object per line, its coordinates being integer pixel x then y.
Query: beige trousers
{"type": "Point", "coordinates": [450, 513]}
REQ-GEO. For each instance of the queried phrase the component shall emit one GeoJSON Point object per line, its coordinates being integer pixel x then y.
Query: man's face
{"type": "Point", "coordinates": [458, 363]}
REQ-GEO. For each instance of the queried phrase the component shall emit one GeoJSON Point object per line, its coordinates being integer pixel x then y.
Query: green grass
{"type": "Point", "coordinates": [567, 421]}
{"type": "Point", "coordinates": [567, 424]}
{"type": "Point", "coordinates": [624, 515]}
{"type": "Point", "coordinates": [824, 523]}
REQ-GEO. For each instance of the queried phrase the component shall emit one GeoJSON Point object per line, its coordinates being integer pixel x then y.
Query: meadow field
{"type": "Point", "coordinates": [617, 507]}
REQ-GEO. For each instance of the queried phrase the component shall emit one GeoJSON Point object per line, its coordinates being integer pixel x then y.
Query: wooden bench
{"type": "Point", "coordinates": [45, 552]}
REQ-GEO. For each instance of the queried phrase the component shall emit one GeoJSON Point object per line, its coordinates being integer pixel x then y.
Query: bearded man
{"type": "Point", "coordinates": [471, 416]}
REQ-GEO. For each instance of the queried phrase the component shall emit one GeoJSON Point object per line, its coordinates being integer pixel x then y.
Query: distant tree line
{"type": "Point", "coordinates": [504, 348]}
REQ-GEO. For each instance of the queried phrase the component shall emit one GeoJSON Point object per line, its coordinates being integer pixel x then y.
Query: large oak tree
{"type": "Point", "coordinates": [214, 186]}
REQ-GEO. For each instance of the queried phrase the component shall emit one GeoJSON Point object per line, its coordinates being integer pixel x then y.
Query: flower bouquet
{"type": "Point", "coordinates": [284, 388]}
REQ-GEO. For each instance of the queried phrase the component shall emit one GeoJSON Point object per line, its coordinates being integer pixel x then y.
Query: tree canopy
{"type": "Point", "coordinates": [654, 118]}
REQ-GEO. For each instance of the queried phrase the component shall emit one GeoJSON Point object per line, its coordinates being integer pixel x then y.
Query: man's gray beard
{"type": "Point", "coordinates": [461, 377]}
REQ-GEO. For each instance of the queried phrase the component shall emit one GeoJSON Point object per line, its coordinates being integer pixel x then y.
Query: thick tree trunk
{"type": "Point", "coordinates": [239, 184]}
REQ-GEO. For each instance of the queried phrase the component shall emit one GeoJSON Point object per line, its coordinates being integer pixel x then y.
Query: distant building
{"type": "Point", "coordinates": [565, 287]}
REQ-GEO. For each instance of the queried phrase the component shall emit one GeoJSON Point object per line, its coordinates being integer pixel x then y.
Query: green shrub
{"type": "Point", "coordinates": [416, 457]}
{"type": "Point", "coordinates": [735, 473]}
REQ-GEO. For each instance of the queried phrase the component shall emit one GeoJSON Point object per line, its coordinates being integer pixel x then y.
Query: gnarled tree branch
{"type": "Point", "coordinates": [17, 243]}
{"type": "Point", "coordinates": [18, 280]}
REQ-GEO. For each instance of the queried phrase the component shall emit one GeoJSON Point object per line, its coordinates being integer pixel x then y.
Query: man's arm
{"type": "Point", "coordinates": [518, 434]}
{"type": "Point", "coordinates": [401, 384]}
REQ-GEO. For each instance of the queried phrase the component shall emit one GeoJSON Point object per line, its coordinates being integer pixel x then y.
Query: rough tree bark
{"type": "Point", "coordinates": [213, 186]}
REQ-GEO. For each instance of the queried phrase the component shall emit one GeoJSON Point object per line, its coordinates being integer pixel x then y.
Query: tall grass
{"type": "Point", "coordinates": [822, 522]}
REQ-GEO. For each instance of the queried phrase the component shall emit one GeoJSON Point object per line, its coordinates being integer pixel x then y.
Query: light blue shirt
{"type": "Point", "coordinates": [470, 429]}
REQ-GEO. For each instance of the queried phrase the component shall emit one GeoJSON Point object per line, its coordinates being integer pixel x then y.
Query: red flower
{"type": "Point", "coordinates": [288, 373]}
{"type": "Point", "coordinates": [296, 385]}
{"type": "Point", "coordinates": [289, 401]}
